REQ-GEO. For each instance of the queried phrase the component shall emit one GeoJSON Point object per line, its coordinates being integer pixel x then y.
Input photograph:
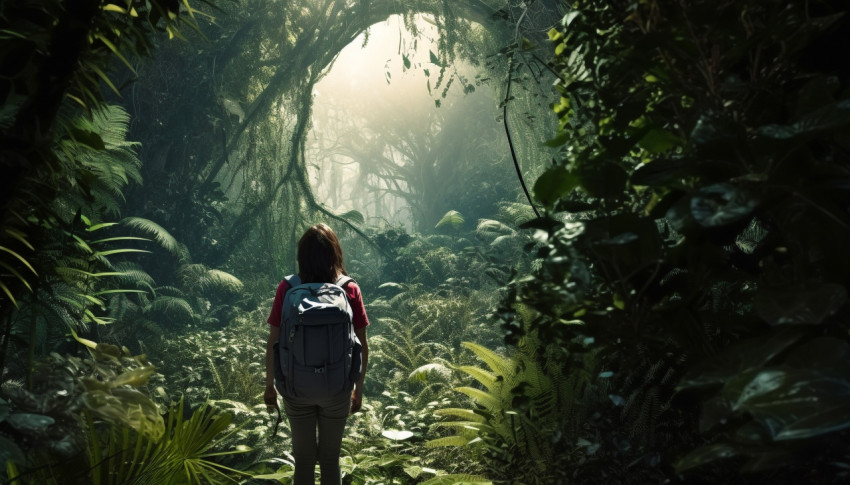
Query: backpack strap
{"type": "Point", "coordinates": [293, 280]}
{"type": "Point", "coordinates": [343, 280]}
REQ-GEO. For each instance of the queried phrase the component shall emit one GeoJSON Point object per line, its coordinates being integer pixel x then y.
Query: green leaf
{"type": "Point", "coordinates": [104, 77]}
{"type": "Point", "coordinates": [721, 204]}
{"type": "Point", "coordinates": [421, 373]}
{"type": "Point", "coordinates": [434, 58]}
{"type": "Point", "coordinates": [807, 304]}
{"type": "Point", "coordinates": [405, 61]}
{"type": "Point", "coordinates": [706, 454]}
{"type": "Point", "coordinates": [553, 184]}
{"type": "Point", "coordinates": [455, 440]}
{"type": "Point", "coordinates": [135, 377]}
{"type": "Point", "coordinates": [658, 140]}
{"type": "Point", "coordinates": [458, 479]}
{"type": "Point", "coordinates": [832, 117]}
{"type": "Point", "coordinates": [115, 51]}
{"type": "Point", "coordinates": [603, 179]}
{"type": "Point", "coordinates": [119, 251]}
{"type": "Point", "coordinates": [569, 17]}
{"type": "Point", "coordinates": [659, 172]}
{"type": "Point", "coordinates": [20, 258]}
{"type": "Point", "coordinates": [740, 357]}
{"type": "Point", "coordinates": [825, 420]}
{"type": "Point", "coordinates": [29, 422]}
{"type": "Point", "coordinates": [452, 219]}
{"type": "Point", "coordinates": [163, 237]}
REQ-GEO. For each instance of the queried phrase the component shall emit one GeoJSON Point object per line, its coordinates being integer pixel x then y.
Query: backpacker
{"type": "Point", "coordinates": [318, 354]}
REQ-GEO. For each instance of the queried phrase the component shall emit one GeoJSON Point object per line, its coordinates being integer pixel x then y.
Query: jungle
{"type": "Point", "coordinates": [598, 241]}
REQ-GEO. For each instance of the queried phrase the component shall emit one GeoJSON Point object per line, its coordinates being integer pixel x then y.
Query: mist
{"type": "Point", "coordinates": [595, 241]}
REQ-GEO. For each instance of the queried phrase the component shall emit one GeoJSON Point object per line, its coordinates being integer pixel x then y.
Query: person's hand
{"type": "Point", "coordinates": [270, 398]}
{"type": "Point", "coordinates": [356, 399]}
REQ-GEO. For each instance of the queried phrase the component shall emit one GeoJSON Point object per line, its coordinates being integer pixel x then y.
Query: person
{"type": "Point", "coordinates": [317, 426]}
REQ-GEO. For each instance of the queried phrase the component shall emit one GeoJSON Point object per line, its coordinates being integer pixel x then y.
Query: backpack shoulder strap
{"type": "Point", "coordinates": [343, 280]}
{"type": "Point", "coordinates": [293, 280]}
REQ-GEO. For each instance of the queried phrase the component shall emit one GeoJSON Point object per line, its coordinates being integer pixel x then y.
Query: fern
{"type": "Point", "coordinates": [160, 235]}
{"type": "Point", "coordinates": [201, 277]}
{"type": "Point", "coordinates": [452, 219]}
{"type": "Point", "coordinates": [489, 228]}
{"type": "Point", "coordinates": [176, 308]}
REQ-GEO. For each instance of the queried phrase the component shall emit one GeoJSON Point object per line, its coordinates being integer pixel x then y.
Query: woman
{"type": "Point", "coordinates": [320, 260]}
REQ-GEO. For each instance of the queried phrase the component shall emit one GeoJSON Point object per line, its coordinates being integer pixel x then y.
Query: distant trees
{"type": "Point", "coordinates": [199, 112]}
{"type": "Point", "coordinates": [432, 159]}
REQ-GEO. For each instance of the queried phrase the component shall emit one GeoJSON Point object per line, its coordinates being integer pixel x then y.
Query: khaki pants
{"type": "Point", "coordinates": [317, 426]}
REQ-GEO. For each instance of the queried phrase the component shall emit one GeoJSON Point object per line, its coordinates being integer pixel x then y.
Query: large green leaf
{"type": "Point", "coordinates": [721, 204]}
{"type": "Point", "coordinates": [553, 184]}
{"type": "Point", "coordinates": [800, 304]}
{"type": "Point", "coordinates": [792, 403]}
{"type": "Point", "coordinates": [658, 140]}
{"type": "Point", "coordinates": [831, 117]}
{"type": "Point", "coordinates": [30, 422]}
{"type": "Point", "coordinates": [739, 357]}
{"type": "Point", "coordinates": [706, 454]}
{"type": "Point", "coordinates": [603, 179]}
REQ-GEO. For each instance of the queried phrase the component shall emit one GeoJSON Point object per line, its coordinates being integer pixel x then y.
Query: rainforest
{"type": "Point", "coordinates": [598, 241]}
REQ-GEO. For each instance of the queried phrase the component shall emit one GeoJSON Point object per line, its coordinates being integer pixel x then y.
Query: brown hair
{"type": "Point", "coordinates": [320, 256]}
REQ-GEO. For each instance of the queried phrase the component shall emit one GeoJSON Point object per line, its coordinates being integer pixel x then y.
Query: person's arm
{"type": "Point", "coordinates": [270, 394]}
{"type": "Point", "coordinates": [357, 393]}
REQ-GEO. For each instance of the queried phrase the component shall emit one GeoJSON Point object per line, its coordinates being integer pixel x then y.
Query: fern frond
{"type": "Point", "coordinates": [217, 279]}
{"type": "Point", "coordinates": [458, 479]}
{"type": "Point", "coordinates": [485, 378]}
{"type": "Point", "coordinates": [483, 398]}
{"type": "Point", "coordinates": [163, 237]}
{"type": "Point", "coordinates": [496, 362]}
{"type": "Point", "coordinates": [454, 440]}
{"type": "Point", "coordinates": [452, 219]}
{"type": "Point", "coordinates": [465, 414]}
{"type": "Point", "coordinates": [421, 373]}
{"type": "Point", "coordinates": [173, 307]}
{"type": "Point", "coordinates": [492, 228]}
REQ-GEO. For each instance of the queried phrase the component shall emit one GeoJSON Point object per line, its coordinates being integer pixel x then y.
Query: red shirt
{"type": "Point", "coordinates": [355, 299]}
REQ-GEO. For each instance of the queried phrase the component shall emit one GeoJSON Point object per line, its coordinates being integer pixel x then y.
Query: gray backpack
{"type": "Point", "coordinates": [318, 354]}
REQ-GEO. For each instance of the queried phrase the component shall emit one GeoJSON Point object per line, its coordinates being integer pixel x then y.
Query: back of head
{"type": "Point", "coordinates": [320, 255]}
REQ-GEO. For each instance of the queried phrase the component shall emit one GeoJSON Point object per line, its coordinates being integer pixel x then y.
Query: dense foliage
{"type": "Point", "coordinates": [693, 238]}
{"type": "Point", "coordinates": [671, 308]}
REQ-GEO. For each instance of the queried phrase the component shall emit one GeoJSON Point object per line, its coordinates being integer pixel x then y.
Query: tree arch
{"type": "Point", "coordinates": [261, 65]}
